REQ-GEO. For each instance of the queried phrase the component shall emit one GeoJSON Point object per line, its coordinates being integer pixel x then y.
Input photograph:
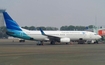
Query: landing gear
{"type": "Point", "coordinates": [21, 40]}
{"type": "Point", "coordinates": [92, 42]}
{"type": "Point", "coordinates": [81, 41]}
{"type": "Point", "coordinates": [67, 43]}
{"type": "Point", "coordinates": [40, 43]}
{"type": "Point", "coordinates": [89, 42]}
{"type": "Point", "coordinates": [96, 42]}
{"type": "Point", "coordinates": [52, 42]}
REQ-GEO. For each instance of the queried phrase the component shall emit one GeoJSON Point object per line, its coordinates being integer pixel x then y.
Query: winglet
{"type": "Point", "coordinates": [42, 32]}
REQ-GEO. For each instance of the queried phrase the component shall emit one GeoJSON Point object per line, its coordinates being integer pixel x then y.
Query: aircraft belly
{"type": "Point", "coordinates": [38, 37]}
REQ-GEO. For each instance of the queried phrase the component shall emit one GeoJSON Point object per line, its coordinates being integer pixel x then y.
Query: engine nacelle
{"type": "Point", "coordinates": [65, 40]}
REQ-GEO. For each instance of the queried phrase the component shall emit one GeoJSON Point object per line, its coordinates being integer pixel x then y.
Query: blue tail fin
{"type": "Point", "coordinates": [10, 23]}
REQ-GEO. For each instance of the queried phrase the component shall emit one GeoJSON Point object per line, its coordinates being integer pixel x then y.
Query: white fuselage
{"type": "Point", "coordinates": [73, 35]}
{"type": "Point", "coordinates": [13, 29]}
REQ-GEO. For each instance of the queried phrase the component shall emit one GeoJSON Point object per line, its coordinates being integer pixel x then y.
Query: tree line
{"type": "Point", "coordinates": [69, 28]}
{"type": "Point", "coordinates": [37, 28]}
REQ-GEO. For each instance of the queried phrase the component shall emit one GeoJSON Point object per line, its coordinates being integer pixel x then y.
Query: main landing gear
{"type": "Point", "coordinates": [52, 42]}
{"type": "Point", "coordinates": [81, 41]}
{"type": "Point", "coordinates": [40, 43]}
{"type": "Point", "coordinates": [21, 40]}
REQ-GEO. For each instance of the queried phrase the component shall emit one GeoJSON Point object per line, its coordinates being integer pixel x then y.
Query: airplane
{"type": "Point", "coordinates": [13, 29]}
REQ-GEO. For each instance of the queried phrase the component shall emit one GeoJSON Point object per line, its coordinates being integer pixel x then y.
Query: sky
{"type": "Point", "coordinates": [56, 13]}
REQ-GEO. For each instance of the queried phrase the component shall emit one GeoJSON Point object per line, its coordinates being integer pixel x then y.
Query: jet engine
{"type": "Point", "coordinates": [65, 40]}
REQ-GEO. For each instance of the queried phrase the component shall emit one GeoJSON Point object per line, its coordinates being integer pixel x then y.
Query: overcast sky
{"type": "Point", "coordinates": [55, 13]}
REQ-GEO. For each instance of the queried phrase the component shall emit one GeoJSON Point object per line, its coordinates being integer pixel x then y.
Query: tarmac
{"type": "Point", "coordinates": [13, 52]}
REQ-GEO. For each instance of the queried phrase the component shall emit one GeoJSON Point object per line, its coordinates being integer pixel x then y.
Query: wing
{"type": "Point", "coordinates": [51, 37]}
{"type": "Point", "coordinates": [56, 38]}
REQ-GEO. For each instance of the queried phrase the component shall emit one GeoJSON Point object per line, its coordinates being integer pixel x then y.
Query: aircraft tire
{"type": "Point", "coordinates": [67, 43]}
{"type": "Point", "coordinates": [52, 42]}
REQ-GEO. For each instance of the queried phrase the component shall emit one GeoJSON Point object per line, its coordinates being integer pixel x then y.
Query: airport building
{"type": "Point", "coordinates": [1, 17]}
